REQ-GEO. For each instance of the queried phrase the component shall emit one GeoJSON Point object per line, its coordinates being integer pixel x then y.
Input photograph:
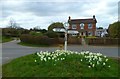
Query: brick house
{"type": "Point", "coordinates": [85, 27]}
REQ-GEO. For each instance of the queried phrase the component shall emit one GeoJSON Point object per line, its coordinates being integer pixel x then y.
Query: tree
{"type": "Point", "coordinates": [52, 34]}
{"type": "Point", "coordinates": [55, 25]}
{"type": "Point", "coordinates": [100, 28]}
{"type": "Point", "coordinates": [13, 29]}
{"type": "Point", "coordinates": [114, 30]}
{"type": "Point", "coordinates": [36, 33]}
{"type": "Point", "coordinates": [43, 30]}
{"type": "Point", "coordinates": [37, 28]}
{"type": "Point", "coordinates": [13, 24]}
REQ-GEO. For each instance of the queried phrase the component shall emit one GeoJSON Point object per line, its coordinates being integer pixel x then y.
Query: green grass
{"type": "Point", "coordinates": [4, 39]}
{"type": "Point", "coordinates": [33, 45]}
{"type": "Point", "coordinates": [70, 67]}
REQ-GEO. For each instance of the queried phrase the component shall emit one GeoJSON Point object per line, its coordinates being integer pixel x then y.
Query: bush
{"type": "Point", "coordinates": [61, 35]}
{"type": "Point", "coordinates": [38, 40]}
{"type": "Point", "coordinates": [52, 34]}
{"type": "Point", "coordinates": [114, 30]}
{"type": "Point", "coordinates": [44, 40]}
{"type": "Point", "coordinates": [36, 33]}
{"type": "Point", "coordinates": [26, 38]}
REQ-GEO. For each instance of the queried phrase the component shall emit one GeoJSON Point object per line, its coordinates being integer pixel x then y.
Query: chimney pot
{"type": "Point", "coordinates": [69, 17]}
{"type": "Point", "coordinates": [93, 16]}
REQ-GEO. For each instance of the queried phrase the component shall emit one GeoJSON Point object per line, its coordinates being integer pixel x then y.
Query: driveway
{"type": "Point", "coordinates": [11, 50]}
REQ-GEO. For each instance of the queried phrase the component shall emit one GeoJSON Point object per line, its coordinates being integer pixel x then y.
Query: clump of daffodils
{"type": "Point", "coordinates": [93, 60]}
{"type": "Point", "coordinates": [56, 56]}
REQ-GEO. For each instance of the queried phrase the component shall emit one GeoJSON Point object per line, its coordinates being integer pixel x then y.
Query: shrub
{"type": "Point", "coordinates": [25, 38]}
{"type": "Point", "coordinates": [36, 33]}
{"type": "Point", "coordinates": [44, 40]}
{"type": "Point", "coordinates": [114, 30]}
{"type": "Point", "coordinates": [52, 34]}
{"type": "Point", "coordinates": [38, 40]}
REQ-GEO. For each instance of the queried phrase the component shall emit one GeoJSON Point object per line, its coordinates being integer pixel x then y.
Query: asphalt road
{"type": "Point", "coordinates": [11, 50]}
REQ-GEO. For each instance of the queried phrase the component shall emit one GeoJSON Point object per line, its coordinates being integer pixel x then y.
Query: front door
{"type": "Point", "coordinates": [86, 33]}
{"type": "Point", "coordinates": [82, 33]}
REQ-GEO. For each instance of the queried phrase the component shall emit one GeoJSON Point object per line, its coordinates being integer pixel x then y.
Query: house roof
{"type": "Point", "coordinates": [90, 20]}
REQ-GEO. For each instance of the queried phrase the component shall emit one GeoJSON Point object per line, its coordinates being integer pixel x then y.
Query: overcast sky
{"type": "Point", "coordinates": [29, 14]}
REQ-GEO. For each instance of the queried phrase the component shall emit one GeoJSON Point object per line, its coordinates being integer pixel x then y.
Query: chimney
{"type": "Point", "coordinates": [93, 16]}
{"type": "Point", "coordinates": [69, 19]}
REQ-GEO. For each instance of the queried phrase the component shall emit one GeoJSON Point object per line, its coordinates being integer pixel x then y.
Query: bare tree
{"type": "Point", "coordinates": [37, 28]}
{"type": "Point", "coordinates": [13, 24]}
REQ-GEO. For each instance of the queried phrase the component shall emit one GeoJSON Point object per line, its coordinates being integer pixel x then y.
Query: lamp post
{"type": "Point", "coordinates": [66, 26]}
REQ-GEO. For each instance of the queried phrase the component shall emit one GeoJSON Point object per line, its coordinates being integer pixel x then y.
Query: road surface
{"type": "Point", "coordinates": [11, 50]}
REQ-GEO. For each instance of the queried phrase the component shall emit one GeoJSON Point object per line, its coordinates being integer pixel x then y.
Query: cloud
{"type": "Point", "coordinates": [43, 13]}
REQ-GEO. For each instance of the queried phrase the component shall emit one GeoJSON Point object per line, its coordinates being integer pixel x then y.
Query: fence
{"type": "Point", "coordinates": [70, 40]}
{"type": "Point", "coordinates": [102, 41]}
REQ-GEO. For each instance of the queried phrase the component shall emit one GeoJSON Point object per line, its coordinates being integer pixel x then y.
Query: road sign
{"type": "Point", "coordinates": [66, 25]}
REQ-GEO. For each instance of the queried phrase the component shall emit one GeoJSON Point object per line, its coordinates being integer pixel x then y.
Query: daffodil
{"type": "Point", "coordinates": [109, 66]}
{"type": "Point", "coordinates": [89, 66]}
{"type": "Point", "coordinates": [103, 63]}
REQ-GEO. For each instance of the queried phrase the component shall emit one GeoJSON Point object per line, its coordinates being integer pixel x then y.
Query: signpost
{"type": "Point", "coordinates": [66, 25]}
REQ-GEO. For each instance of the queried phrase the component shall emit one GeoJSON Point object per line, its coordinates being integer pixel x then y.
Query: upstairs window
{"type": "Point", "coordinates": [82, 25]}
{"type": "Point", "coordinates": [90, 26]}
{"type": "Point", "coordinates": [74, 26]}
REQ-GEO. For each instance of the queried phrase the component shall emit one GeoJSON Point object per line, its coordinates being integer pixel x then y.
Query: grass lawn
{"type": "Point", "coordinates": [5, 39]}
{"type": "Point", "coordinates": [29, 66]}
{"type": "Point", "coordinates": [34, 45]}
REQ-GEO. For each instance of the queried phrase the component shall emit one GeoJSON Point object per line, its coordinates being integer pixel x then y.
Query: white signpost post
{"type": "Point", "coordinates": [66, 25]}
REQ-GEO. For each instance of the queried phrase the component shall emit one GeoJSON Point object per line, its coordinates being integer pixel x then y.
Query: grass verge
{"type": "Point", "coordinates": [32, 45]}
{"type": "Point", "coordinates": [70, 67]}
{"type": "Point", "coordinates": [6, 39]}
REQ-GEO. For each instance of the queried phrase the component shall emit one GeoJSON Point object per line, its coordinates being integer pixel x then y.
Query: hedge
{"type": "Point", "coordinates": [40, 40]}
{"type": "Point", "coordinates": [45, 40]}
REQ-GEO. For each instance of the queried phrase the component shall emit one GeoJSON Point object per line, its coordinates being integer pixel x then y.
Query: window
{"type": "Point", "coordinates": [74, 26]}
{"type": "Point", "coordinates": [74, 34]}
{"type": "Point", "coordinates": [89, 26]}
{"type": "Point", "coordinates": [82, 25]}
{"type": "Point", "coordinates": [90, 33]}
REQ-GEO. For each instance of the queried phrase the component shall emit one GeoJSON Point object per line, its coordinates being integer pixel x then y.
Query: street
{"type": "Point", "coordinates": [11, 50]}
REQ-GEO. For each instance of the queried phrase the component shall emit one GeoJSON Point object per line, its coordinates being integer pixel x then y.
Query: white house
{"type": "Point", "coordinates": [100, 32]}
